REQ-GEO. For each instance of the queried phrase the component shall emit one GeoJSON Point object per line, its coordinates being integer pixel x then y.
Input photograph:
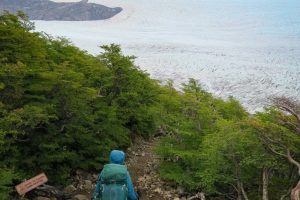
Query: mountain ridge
{"type": "Point", "coordinates": [52, 11]}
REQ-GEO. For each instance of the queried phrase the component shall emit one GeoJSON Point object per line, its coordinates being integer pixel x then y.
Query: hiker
{"type": "Point", "coordinates": [114, 182]}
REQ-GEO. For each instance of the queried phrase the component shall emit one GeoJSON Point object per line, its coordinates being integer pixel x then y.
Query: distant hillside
{"type": "Point", "coordinates": [49, 10]}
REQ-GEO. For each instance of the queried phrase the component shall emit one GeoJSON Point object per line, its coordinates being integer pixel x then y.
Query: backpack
{"type": "Point", "coordinates": [114, 182]}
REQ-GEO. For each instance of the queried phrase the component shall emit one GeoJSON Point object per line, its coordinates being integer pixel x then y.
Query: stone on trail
{"type": "Point", "coordinates": [88, 185]}
{"type": "Point", "coordinates": [69, 189]}
{"type": "Point", "coordinates": [80, 197]}
{"type": "Point", "coordinates": [180, 190]}
{"type": "Point", "coordinates": [157, 190]}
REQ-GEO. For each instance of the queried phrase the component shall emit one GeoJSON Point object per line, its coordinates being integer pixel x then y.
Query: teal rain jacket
{"type": "Point", "coordinates": [118, 157]}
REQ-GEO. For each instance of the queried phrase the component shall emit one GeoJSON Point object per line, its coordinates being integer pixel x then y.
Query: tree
{"type": "Point", "coordinates": [17, 43]}
{"type": "Point", "coordinates": [213, 146]}
{"type": "Point", "coordinates": [292, 107]}
{"type": "Point", "coordinates": [279, 130]}
{"type": "Point", "coordinates": [130, 90]}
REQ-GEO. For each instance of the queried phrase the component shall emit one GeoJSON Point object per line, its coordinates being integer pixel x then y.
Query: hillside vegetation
{"type": "Point", "coordinates": [62, 109]}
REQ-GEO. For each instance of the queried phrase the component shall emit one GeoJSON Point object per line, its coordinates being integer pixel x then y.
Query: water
{"type": "Point", "coordinates": [249, 49]}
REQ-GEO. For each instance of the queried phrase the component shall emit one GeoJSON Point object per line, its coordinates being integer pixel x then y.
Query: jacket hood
{"type": "Point", "coordinates": [117, 157]}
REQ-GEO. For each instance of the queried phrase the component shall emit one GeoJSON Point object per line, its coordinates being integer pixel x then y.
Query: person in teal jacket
{"type": "Point", "coordinates": [117, 157]}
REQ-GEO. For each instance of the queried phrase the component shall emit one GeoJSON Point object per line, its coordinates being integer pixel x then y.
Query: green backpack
{"type": "Point", "coordinates": [114, 182]}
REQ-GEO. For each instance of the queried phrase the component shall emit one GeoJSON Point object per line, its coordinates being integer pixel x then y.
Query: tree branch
{"type": "Point", "coordinates": [288, 105]}
{"type": "Point", "coordinates": [291, 160]}
{"type": "Point", "coordinates": [276, 152]}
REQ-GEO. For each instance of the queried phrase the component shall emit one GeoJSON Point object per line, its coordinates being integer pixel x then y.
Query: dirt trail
{"type": "Point", "coordinates": [143, 165]}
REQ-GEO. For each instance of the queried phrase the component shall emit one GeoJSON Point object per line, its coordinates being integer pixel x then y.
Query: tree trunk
{"type": "Point", "coordinates": [292, 107]}
{"type": "Point", "coordinates": [295, 194]}
{"type": "Point", "coordinates": [265, 182]}
{"type": "Point", "coordinates": [294, 162]}
{"type": "Point", "coordinates": [238, 190]}
{"type": "Point", "coordinates": [244, 192]}
{"type": "Point", "coordinates": [241, 191]}
{"type": "Point", "coordinates": [239, 197]}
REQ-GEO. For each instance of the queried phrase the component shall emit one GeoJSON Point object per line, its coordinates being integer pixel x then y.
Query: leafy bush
{"type": "Point", "coordinates": [6, 182]}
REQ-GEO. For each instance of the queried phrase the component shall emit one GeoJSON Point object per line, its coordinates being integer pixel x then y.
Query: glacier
{"type": "Point", "coordinates": [249, 49]}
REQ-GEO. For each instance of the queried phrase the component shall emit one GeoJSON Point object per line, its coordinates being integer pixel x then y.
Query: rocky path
{"type": "Point", "coordinates": [143, 165]}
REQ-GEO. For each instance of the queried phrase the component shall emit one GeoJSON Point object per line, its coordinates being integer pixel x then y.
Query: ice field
{"type": "Point", "coordinates": [249, 49]}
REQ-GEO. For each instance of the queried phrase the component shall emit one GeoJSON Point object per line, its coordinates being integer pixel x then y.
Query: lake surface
{"type": "Point", "coordinates": [249, 49]}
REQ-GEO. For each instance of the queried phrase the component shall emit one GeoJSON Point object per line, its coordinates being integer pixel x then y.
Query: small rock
{"type": "Point", "coordinates": [157, 190]}
{"type": "Point", "coordinates": [176, 198]}
{"type": "Point", "coordinates": [69, 189]}
{"type": "Point", "coordinates": [180, 190]}
{"type": "Point", "coordinates": [147, 171]}
{"type": "Point", "coordinates": [88, 185]}
{"type": "Point", "coordinates": [141, 179]}
{"type": "Point", "coordinates": [79, 172]}
{"type": "Point", "coordinates": [80, 197]}
{"type": "Point", "coordinates": [42, 198]}
{"type": "Point", "coordinates": [89, 176]}
{"type": "Point", "coordinates": [168, 196]}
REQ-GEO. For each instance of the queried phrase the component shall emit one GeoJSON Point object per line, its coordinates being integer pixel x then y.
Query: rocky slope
{"type": "Point", "coordinates": [48, 10]}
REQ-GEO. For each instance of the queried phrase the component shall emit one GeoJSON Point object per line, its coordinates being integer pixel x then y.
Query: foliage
{"type": "Point", "coordinates": [6, 182]}
{"type": "Point", "coordinates": [216, 147]}
{"type": "Point", "coordinates": [63, 109]}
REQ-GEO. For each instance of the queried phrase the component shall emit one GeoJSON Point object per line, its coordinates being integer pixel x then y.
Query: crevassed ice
{"type": "Point", "coordinates": [249, 49]}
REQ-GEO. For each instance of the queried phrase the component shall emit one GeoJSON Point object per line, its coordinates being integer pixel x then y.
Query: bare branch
{"type": "Point", "coordinates": [234, 187]}
{"type": "Point", "coordinates": [295, 194]}
{"type": "Point", "coordinates": [22, 140]}
{"type": "Point", "coordinates": [276, 152]}
{"type": "Point", "coordinates": [288, 105]}
{"type": "Point", "coordinates": [294, 162]}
